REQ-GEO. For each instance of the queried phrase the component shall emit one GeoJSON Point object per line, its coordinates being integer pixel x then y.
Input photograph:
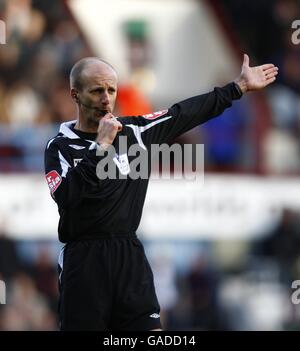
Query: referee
{"type": "Point", "coordinates": [105, 280]}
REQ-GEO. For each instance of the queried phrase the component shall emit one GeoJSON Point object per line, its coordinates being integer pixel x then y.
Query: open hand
{"type": "Point", "coordinates": [256, 78]}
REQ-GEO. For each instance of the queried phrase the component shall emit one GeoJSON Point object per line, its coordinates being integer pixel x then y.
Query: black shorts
{"type": "Point", "coordinates": [107, 284]}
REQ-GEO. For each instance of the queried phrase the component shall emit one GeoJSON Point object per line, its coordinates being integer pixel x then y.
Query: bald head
{"type": "Point", "coordinates": [87, 66]}
{"type": "Point", "coordinates": [94, 90]}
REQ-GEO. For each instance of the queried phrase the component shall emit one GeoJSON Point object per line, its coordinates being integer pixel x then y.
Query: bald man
{"type": "Point", "coordinates": [105, 280]}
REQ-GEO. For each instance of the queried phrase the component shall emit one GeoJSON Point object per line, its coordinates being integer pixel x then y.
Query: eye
{"type": "Point", "coordinates": [111, 90]}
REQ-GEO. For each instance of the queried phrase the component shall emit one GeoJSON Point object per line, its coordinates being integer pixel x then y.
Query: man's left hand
{"type": "Point", "coordinates": [256, 78]}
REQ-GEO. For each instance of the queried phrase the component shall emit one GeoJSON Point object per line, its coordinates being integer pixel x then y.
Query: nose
{"type": "Point", "coordinates": [105, 99]}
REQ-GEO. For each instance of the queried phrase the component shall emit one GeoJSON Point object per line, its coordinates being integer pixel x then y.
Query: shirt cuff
{"type": "Point", "coordinates": [238, 89]}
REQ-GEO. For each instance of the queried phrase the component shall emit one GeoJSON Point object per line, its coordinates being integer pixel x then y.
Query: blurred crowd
{"type": "Point", "coordinates": [264, 30]}
{"type": "Point", "coordinates": [29, 273]}
{"type": "Point", "coordinates": [230, 284]}
{"type": "Point", "coordinates": [42, 44]}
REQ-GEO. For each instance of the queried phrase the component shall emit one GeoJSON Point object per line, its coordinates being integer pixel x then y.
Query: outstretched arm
{"type": "Point", "coordinates": [256, 78]}
{"type": "Point", "coordinates": [166, 125]}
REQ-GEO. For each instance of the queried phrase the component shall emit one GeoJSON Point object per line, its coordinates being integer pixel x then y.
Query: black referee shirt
{"type": "Point", "coordinates": [90, 207]}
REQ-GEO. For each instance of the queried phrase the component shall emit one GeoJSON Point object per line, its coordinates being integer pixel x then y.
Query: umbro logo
{"type": "Point", "coordinates": [77, 147]}
{"type": "Point", "coordinates": [76, 161]}
{"type": "Point", "coordinates": [154, 315]}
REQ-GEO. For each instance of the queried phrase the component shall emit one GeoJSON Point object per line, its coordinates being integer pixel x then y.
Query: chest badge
{"type": "Point", "coordinates": [122, 163]}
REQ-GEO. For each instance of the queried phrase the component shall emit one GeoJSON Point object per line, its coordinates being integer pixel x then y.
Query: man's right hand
{"type": "Point", "coordinates": [108, 128]}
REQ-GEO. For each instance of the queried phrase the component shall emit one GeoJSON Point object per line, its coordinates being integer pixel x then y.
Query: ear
{"type": "Point", "coordinates": [74, 95]}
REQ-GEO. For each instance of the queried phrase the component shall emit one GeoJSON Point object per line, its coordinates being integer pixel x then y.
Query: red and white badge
{"type": "Point", "coordinates": [155, 115]}
{"type": "Point", "coordinates": [53, 180]}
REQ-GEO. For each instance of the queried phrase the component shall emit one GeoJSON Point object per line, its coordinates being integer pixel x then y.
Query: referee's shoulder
{"type": "Point", "coordinates": [57, 140]}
